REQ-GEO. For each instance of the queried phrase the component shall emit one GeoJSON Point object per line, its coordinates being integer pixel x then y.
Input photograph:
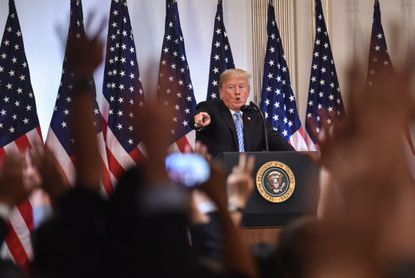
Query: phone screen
{"type": "Point", "coordinates": [189, 169]}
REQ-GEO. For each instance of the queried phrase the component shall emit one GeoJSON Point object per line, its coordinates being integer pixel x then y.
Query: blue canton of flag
{"type": "Point", "coordinates": [277, 99]}
{"type": "Point", "coordinates": [378, 54]}
{"type": "Point", "coordinates": [19, 129]}
{"type": "Point", "coordinates": [59, 138]}
{"type": "Point", "coordinates": [18, 113]}
{"type": "Point", "coordinates": [122, 90]}
{"type": "Point", "coordinates": [221, 54]}
{"type": "Point", "coordinates": [174, 83]}
{"type": "Point", "coordinates": [324, 91]}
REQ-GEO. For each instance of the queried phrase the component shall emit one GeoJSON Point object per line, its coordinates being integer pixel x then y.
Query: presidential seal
{"type": "Point", "coordinates": [275, 182]}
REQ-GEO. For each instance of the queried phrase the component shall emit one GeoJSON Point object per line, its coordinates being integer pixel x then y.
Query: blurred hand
{"type": "Point", "coordinates": [365, 156]}
{"type": "Point", "coordinates": [368, 143]}
{"type": "Point", "coordinates": [154, 125]}
{"type": "Point", "coordinates": [202, 119]}
{"type": "Point", "coordinates": [201, 149]}
{"type": "Point", "coordinates": [84, 54]}
{"type": "Point", "coordinates": [215, 187]}
{"type": "Point", "coordinates": [12, 188]}
{"type": "Point", "coordinates": [52, 177]}
{"type": "Point", "coordinates": [240, 183]}
{"type": "Point", "coordinates": [196, 215]}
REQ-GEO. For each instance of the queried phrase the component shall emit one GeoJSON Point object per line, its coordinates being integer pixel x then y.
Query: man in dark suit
{"type": "Point", "coordinates": [216, 121]}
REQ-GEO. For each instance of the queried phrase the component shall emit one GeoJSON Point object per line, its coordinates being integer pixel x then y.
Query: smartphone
{"type": "Point", "coordinates": [188, 169]}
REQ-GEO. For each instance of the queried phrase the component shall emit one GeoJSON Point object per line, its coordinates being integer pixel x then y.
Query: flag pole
{"type": "Point", "coordinates": [356, 28]}
{"type": "Point", "coordinates": [406, 8]}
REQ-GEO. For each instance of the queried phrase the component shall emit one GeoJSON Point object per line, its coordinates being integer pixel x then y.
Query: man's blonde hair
{"type": "Point", "coordinates": [232, 73]}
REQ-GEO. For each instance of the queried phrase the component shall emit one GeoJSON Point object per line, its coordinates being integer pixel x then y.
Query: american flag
{"type": "Point", "coordinates": [174, 83]}
{"type": "Point", "coordinates": [221, 54]}
{"type": "Point", "coordinates": [324, 91]}
{"type": "Point", "coordinates": [122, 90]}
{"type": "Point", "coordinates": [19, 128]}
{"type": "Point", "coordinates": [379, 57]}
{"type": "Point", "coordinates": [277, 100]}
{"type": "Point", "coordinates": [378, 53]}
{"type": "Point", "coordinates": [59, 138]}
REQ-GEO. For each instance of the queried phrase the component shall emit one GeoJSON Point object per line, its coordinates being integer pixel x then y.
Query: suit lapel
{"type": "Point", "coordinates": [249, 126]}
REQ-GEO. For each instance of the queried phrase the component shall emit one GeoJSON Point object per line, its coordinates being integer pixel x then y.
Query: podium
{"type": "Point", "coordinates": [285, 187]}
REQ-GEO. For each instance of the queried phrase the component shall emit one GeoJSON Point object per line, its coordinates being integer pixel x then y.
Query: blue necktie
{"type": "Point", "coordinates": [239, 131]}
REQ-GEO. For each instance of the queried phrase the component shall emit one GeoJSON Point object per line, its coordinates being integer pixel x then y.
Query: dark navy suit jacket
{"type": "Point", "coordinates": [220, 135]}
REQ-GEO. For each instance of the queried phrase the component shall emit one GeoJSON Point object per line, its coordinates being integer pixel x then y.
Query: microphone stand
{"type": "Point", "coordinates": [254, 108]}
{"type": "Point", "coordinates": [265, 131]}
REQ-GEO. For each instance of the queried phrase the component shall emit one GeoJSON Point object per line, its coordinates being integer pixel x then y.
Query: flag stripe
{"type": "Point", "coordinates": [137, 154]}
{"type": "Point", "coordinates": [297, 140]}
{"type": "Point", "coordinates": [5, 252]}
{"type": "Point", "coordinates": [106, 178]}
{"type": "Point", "coordinates": [18, 238]}
{"type": "Point", "coordinates": [22, 143]}
{"type": "Point", "coordinates": [15, 246]}
{"type": "Point", "coordinates": [118, 159]}
{"type": "Point", "coordinates": [182, 143]}
{"type": "Point", "coordinates": [61, 155]}
{"type": "Point", "coordinates": [117, 152]}
{"type": "Point", "coordinates": [2, 153]}
{"type": "Point", "coordinates": [25, 210]}
{"type": "Point", "coordinates": [116, 169]}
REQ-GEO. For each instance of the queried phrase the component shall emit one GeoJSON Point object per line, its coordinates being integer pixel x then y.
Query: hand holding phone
{"type": "Point", "coordinates": [189, 169]}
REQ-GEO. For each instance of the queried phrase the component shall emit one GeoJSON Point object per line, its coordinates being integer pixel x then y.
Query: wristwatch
{"type": "Point", "coordinates": [232, 208]}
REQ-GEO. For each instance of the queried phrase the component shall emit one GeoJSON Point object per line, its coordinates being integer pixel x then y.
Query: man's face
{"type": "Point", "coordinates": [234, 92]}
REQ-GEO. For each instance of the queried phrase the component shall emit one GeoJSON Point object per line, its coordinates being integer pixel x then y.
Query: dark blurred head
{"type": "Point", "coordinates": [9, 270]}
{"type": "Point", "coordinates": [144, 242]}
{"type": "Point", "coordinates": [265, 255]}
{"type": "Point", "coordinates": [297, 246]}
{"type": "Point", "coordinates": [71, 243]}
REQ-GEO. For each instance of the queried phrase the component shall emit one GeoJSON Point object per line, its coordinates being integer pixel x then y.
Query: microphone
{"type": "Point", "coordinates": [252, 107]}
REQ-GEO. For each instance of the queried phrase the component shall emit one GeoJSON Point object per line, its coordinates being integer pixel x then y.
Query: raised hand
{"type": "Point", "coordinates": [52, 178]}
{"type": "Point", "coordinates": [202, 119]}
{"type": "Point", "coordinates": [83, 56]}
{"type": "Point", "coordinates": [12, 186]}
{"type": "Point", "coordinates": [240, 183]}
{"type": "Point", "coordinates": [154, 125]}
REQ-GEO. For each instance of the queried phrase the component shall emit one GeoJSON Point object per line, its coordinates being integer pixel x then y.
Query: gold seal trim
{"type": "Point", "coordinates": [275, 171]}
